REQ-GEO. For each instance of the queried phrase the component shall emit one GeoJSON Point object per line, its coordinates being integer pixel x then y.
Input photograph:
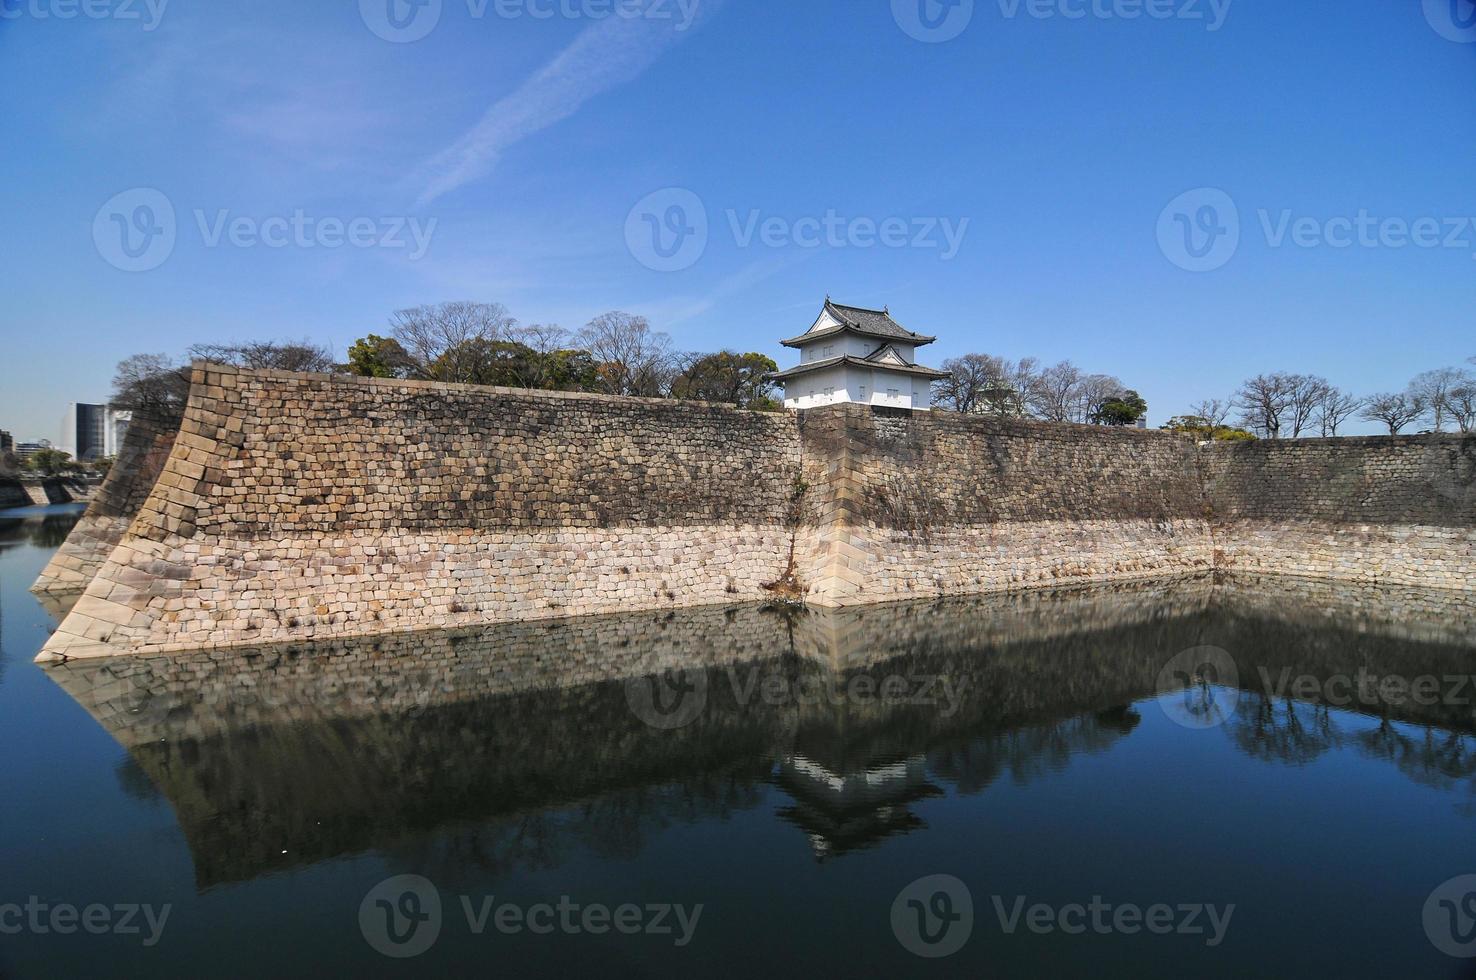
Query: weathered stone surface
{"type": "Point", "coordinates": [297, 507]}
{"type": "Point", "coordinates": [1397, 510]}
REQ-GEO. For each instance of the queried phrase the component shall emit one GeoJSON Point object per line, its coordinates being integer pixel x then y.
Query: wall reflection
{"type": "Point", "coordinates": [504, 747]}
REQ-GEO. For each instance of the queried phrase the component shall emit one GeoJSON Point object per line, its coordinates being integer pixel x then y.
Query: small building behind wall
{"type": "Point", "coordinates": [852, 354]}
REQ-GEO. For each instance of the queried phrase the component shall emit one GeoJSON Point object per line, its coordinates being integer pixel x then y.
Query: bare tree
{"type": "Point", "coordinates": [1335, 408]}
{"type": "Point", "coordinates": [1460, 404]}
{"type": "Point", "coordinates": [1306, 393]}
{"type": "Point", "coordinates": [287, 355]}
{"type": "Point", "coordinates": [968, 378]}
{"type": "Point", "coordinates": [1264, 401]}
{"type": "Point", "coordinates": [633, 358]}
{"type": "Point", "coordinates": [1095, 391]}
{"type": "Point", "coordinates": [446, 342]}
{"type": "Point", "coordinates": [1394, 410]}
{"type": "Point", "coordinates": [985, 384]}
{"type": "Point", "coordinates": [1214, 411]}
{"type": "Point", "coordinates": [1433, 389]}
{"type": "Point", "coordinates": [151, 385]}
{"type": "Point", "coordinates": [1053, 396]}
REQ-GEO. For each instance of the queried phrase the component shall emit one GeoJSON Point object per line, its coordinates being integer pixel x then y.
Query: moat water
{"type": "Point", "coordinates": [1194, 778]}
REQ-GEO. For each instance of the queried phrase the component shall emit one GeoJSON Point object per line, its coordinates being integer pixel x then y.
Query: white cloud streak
{"type": "Point", "coordinates": [606, 54]}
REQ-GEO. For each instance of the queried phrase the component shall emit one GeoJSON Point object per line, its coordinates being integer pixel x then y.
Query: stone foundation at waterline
{"type": "Point", "coordinates": [299, 507]}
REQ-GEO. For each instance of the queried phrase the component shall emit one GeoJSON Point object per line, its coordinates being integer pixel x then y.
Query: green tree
{"type": "Point", "coordinates": [50, 462]}
{"type": "Point", "coordinates": [379, 357]}
{"type": "Point", "coordinates": [1124, 409]}
{"type": "Point", "coordinates": [729, 378]}
{"type": "Point", "coordinates": [1207, 430]}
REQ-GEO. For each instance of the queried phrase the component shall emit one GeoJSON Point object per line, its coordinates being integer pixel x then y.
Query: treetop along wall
{"type": "Point", "coordinates": [300, 507]}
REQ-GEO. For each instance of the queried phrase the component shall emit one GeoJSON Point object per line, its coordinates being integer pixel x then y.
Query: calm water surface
{"type": "Point", "coordinates": [794, 775]}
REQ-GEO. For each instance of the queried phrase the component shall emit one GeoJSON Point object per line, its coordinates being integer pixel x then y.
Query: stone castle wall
{"type": "Point", "coordinates": [1397, 510]}
{"type": "Point", "coordinates": [112, 507]}
{"type": "Point", "coordinates": [925, 504]}
{"type": "Point", "coordinates": [296, 507]}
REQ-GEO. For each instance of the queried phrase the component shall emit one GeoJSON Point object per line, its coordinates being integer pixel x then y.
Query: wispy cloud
{"type": "Point", "coordinates": [609, 53]}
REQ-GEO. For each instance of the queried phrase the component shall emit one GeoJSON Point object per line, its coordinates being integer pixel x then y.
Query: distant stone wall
{"type": "Point", "coordinates": [923, 504]}
{"type": "Point", "coordinates": [295, 507]}
{"type": "Point", "coordinates": [113, 506]}
{"type": "Point", "coordinates": [1395, 510]}
{"type": "Point", "coordinates": [37, 492]}
{"type": "Point", "coordinates": [13, 494]}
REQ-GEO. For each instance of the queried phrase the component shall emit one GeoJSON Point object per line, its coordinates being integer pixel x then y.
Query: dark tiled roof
{"type": "Point", "coordinates": [871, 323]}
{"type": "Point", "coordinates": [795, 372]}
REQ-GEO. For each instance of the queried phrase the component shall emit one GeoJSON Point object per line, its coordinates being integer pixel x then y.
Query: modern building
{"type": "Point", "coordinates": [25, 450]}
{"type": "Point", "coordinates": [852, 354]}
{"type": "Point", "coordinates": [7, 442]}
{"type": "Point", "coordinates": [92, 431]}
{"type": "Point", "coordinates": [117, 428]}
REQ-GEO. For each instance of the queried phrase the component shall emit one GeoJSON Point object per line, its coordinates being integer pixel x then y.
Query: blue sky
{"type": "Point", "coordinates": [520, 146]}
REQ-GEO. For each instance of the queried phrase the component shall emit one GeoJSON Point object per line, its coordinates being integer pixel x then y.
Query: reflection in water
{"type": "Point", "coordinates": [46, 528]}
{"type": "Point", "coordinates": [502, 748]}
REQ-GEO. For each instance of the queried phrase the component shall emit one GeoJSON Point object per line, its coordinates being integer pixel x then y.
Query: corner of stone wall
{"type": "Point", "coordinates": [119, 602]}
{"type": "Point", "coordinates": [832, 442]}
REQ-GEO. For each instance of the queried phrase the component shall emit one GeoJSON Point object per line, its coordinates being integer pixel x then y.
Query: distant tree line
{"type": "Point", "coordinates": [478, 344]}
{"type": "Point", "coordinates": [615, 353]}
{"type": "Point", "coordinates": [983, 384]}
{"type": "Point", "coordinates": [1284, 405]}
